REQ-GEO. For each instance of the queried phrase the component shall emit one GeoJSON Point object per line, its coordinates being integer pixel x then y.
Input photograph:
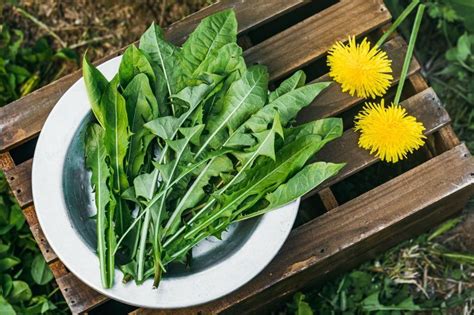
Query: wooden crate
{"type": "Point", "coordinates": [339, 231]}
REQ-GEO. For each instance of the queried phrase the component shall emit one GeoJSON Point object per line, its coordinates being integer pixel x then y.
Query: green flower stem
{"type": "Point", "coordinates": [155, 199]}
{"type": "Point", "coordinates": [409, 55]}
{"type": "Point", "coordinates": [397, 22]}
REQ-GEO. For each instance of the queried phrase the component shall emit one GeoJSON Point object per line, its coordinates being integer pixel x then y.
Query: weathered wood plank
{"type": "Point", "coordinates": [79, 297]}
{"type": "Point", "coordinates": [446, 139]}
{"type": "Point", "coordinates": [6, 161]}
{"type": "Point", "coordinates": [20, 187]}
{"type": "Point", "coordinates": [425, 106]}
{"type": "Point", "coordinates": [310, 39]}
{"type": "Point", "coordinates": [30, 215]}
{"type": "Point", "coordinates": [250, 15]}
{"type": "Point", "coordinates": [23, 119]}
{"type": "Point", "coordinates": [355, 231]}
{"type": "Point", "coordinates": [328, 199]}
{"type": "Point", "coordinates": [58, 269]}
{"type": "Point", "coordinates": [331, 102]}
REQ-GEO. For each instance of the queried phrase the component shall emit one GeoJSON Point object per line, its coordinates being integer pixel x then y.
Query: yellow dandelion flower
{"type": "Point", "coordinates": [360, 69]}
{"type": "Point", "coordinates": [388, 131]}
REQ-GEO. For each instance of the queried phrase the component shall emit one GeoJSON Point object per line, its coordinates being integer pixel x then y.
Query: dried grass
{"type": "Point", "coordinates": [102, 26]}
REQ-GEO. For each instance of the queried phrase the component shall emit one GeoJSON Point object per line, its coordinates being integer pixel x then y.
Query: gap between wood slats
{"type": "Point", "coordinates": [334, 239]}
{"type": "Point", "coordinates": [445, 139]}
{"type": "Point", "coordinates": [283, 53]}
{"type": "Point", "coordinates": [425, 106]}
{"type": "Point", "coordinates": [21, 120]}
{"type": "Point", "coordinates": [310, 39]}
{"type": "Point", "coordinates": [331, 102]}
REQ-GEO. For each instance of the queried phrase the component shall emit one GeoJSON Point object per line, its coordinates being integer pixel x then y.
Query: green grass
{"type": "Point", "coordinates": [419, 275]}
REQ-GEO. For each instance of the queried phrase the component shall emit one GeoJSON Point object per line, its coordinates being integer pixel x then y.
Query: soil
{"type": "Point", "coordinates": [461, 238]}
{"type": "Point", "coordinates": [100, 26]}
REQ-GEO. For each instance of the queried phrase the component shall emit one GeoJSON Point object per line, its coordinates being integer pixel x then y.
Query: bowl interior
{"type": "Point", "coordinates": [80, 203]}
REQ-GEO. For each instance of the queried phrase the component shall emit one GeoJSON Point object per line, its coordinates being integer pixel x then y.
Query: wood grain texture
{"type": "Point", "coordinates": [425, 106]}
{"type": "Point", "coordinates": [331, 102]}
{"type": "Point", "coordinates": [371, 222]}
{"type": "Point", "coordinates": [20, 186]}
{"type": "Point", "coordinates": [6, 161]}
{"type": "Point", "coordinates": [446, 139]}
{"type": "Point", "coordinates": [45, 248]}
{"type": "Point", "coordinates": [250, 14]}
{"type": "Point", "coordinates": [58, 269]}
{"type": "Point", "coordinates": [327, 198]}
{"type": "Point", "coordinates": [310, 39]}
{"type": "Point", "coordinates": [22, 120]}
{"type": "Point", "coordinates": [79, 297]}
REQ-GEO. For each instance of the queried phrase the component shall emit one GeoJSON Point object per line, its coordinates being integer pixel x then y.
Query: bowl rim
{"type": "Point", "coordinates": [184, 291]}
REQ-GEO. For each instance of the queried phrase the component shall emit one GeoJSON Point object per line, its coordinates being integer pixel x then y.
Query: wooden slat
{"type": "Point", "coordinates": [79, 297]}
{"type": "Point", "coordinates": [6, 161]}
{"type": "Point", "coordinates": [418, 82]}
{"type": "Point", "coordinates": [425, 106]}
{"type": "Point", "coordinates": [249, 15]}
{"type": "Point", "coordinates": [333, 101]}
{"type": "Point", "coordinates": [32, 219]}
{"type": "Point", "coordinates": [24, 118]}
{"type": "Point", "coordinates": [308, 40]}
{"type": "Point", "coordinates": [21, 187]}
{"type": "Point", "coordinates": [328, 199]}
{"type": "Point", "coordinates": [446, 139]}
{"type": "Point", "coordinates": [58, 269]}
{"type": "Point", "coordinates": [349, 234]}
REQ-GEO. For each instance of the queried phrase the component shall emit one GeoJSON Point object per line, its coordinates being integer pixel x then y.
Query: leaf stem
{"type": "Point", "coordinates": [397, 22]}
{"type": "Point", "coordinates": [156, 198]}
{"type": "Point", "coordinates": [409, 55]}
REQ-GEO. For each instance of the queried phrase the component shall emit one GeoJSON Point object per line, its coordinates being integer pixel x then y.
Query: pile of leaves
{"type": "Point", "coordinates": [26, 68]}
{"type": "Point", "coordinates": [189, 140]}
{"type": "Point", "coordinates": [25, 278]}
